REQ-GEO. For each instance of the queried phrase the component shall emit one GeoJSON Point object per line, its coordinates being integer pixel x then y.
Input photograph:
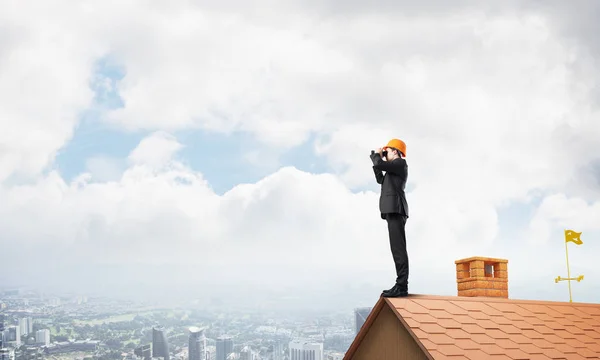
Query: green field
{"type": "Point", "coordinates": [120, 318]}
{"type": "Point", "coordinates": [116, 318]}
{"type": "Point", "coordinates": [62, 332]}
{"type": "Point", "coordinates": [136, 342]}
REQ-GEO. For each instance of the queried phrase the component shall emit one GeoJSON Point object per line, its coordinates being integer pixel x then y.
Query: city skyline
{"type": "Point", "coordinates": [104, 327]}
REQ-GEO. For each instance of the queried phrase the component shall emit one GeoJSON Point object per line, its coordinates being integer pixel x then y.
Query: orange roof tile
{"type": "Point", "coordinates": [497, 328]}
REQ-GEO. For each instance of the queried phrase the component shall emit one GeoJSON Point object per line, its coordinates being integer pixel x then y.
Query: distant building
{"type": "Point", "coordinates": [278, 349]}
{"type": "Point", "coordinates": [7, 354]}
{"type": "Point", "coordinates": [2, 318]}
{"type": "Point", "coordinates": [160, 346]}
{"type": "Point", "coordinates": [12, 334]}
{"type": "Point", "coordinates": [246, 353]}
{"type": "Point", "coordinates": [360, 315]}
{"type": "Point", "coordinates": [70, 346]}
{"type": "Point", "coordinates": [42, 337]}
{"type": "Point", "coordinates": [26, 325]}
{"type": "Point", "coordinates": [301, 350]}
{"type": "Point", "coordinates": [211, 352]}
{"type": "Point", "coordinates": [197, 344]}
{"type": "Point", "coordinates": [23, 328]}
{"type": "Point", "coordinates": [335, 356]}
{"type": "Point", "coordinates": [224, 347]}
{"type": "Point", "coordinates": [144, 351]}
{"type": "Point", "coordinates": [30, 353]}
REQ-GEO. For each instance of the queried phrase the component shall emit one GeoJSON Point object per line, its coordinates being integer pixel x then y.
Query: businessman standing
{"type": "Point", "coordinates": [393, 207]}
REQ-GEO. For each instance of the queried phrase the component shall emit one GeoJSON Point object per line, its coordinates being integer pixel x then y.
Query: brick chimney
{"type": "Point", "coordinates": [482, 276]}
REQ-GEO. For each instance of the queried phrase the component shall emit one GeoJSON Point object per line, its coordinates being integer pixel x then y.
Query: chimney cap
{"type": "Point", "coordinates": [481, 258]}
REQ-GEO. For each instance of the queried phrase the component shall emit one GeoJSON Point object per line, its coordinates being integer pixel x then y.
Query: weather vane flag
{"type": "Point", "coordinates": [574, 237]}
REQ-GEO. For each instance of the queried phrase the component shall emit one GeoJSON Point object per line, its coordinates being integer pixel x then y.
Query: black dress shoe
{"type": "Point", "coordinates": [397, 292]}
{"type": "Point", "coordinates": [389, 290]}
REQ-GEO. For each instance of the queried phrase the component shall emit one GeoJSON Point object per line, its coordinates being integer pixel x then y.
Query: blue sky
{"type": "Point", "coordinates": [203, 151]}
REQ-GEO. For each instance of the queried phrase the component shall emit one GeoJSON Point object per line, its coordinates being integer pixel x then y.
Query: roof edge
{"type": "Point", "coordinates": [408, 329]}
{"type": "Point", "coordinates": [499, 299]}
{"type": "Point", "coordinates": [365, 328]}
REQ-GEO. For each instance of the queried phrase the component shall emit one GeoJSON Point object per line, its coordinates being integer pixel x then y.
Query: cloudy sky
{"type": "Point", "coordinates": [205, 148]}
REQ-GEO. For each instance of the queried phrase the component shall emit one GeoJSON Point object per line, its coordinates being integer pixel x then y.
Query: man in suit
{"type": "Point", "coordinates": [393, 207]}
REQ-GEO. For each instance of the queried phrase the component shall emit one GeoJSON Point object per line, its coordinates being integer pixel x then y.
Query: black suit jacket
{"type": "Point", "coordinates": [393, 183]}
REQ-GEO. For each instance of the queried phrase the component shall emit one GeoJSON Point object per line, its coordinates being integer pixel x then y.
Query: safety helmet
{"type": "Point", "coordinates": [397, 144]}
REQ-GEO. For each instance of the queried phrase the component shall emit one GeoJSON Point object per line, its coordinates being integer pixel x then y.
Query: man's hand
{"type": "Point", "coordinates": [379, 151]}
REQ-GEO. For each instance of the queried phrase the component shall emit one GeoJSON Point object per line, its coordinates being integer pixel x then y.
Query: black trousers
{"type": "Point", "coordinates": [396, 223]}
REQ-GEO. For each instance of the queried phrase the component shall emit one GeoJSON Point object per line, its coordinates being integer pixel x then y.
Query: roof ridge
{"type": "Point", "coordinates": [497, 299]}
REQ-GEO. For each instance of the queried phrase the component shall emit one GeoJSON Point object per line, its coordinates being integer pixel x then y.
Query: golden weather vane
{"type": "Point", "coordinates": [574, 237]}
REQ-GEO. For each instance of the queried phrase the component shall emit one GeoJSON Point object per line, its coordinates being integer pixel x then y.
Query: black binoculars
{"type": "Point", "coordinates": [383, 153]}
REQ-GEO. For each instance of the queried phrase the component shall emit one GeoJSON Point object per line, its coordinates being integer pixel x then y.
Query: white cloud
{"type": "Point", "coordinates": [557, 213]}
{"type": "Point", "coordinates": [44, 66]}
{"type": "Point", "coordinates": [156, 150]}
{"type": "Point", "coordinates": [103, 168]}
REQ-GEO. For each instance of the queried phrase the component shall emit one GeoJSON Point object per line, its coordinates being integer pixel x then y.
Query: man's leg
{"type": "Point", "coordinates": [396, 225]}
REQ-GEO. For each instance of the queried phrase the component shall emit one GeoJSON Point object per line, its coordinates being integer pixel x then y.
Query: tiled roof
{"type": "Point", "coordinates": [496, 328]}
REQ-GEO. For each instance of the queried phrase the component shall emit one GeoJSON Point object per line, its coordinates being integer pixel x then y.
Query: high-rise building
{"type": "Point", "coordinates": [26, 325]}
{"type": "Point", "coordinates": [224, 347]}
{"type": "Point", "coordinates": [303, 350]}
{"type": "Point", "coordinates": [360, 315]}
{"type": "Point", "coordinates": [197, 344]}
{"type": "Point", "coordinates": [278, 349]}
{"type": "Point", "coordinates": [24, 329]}
{"type": "Point", "coordinates": [160, 346]}
{"type": "Point", "coordinates": [13, 333]}
{"type": "Point", "coordinates": [42, 337]}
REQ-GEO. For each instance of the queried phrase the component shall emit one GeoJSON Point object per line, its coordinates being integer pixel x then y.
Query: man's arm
{"type": "Point", "coordinates": [376, 158]}
{"type": "Point", "coordinates": [394, 167]}
{"type": "Point", "coordinates": [378, 175]}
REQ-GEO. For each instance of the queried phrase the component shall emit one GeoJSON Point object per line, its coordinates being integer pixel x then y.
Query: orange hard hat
{"type": "Point", "coordinates": [398, 145]}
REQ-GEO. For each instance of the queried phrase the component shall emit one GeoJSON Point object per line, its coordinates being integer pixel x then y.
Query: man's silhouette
{"type": "Point", "coordinates": [393, 207]}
